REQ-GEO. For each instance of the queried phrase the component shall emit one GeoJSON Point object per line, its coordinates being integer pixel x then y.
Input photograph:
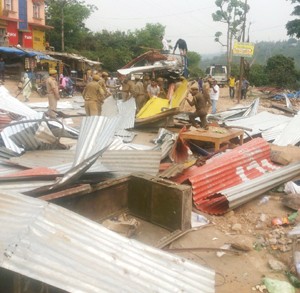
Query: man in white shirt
{"type": "Point", "coordinates": [214, 94]}
{"type": "Point", "coordinates": [165, 44]}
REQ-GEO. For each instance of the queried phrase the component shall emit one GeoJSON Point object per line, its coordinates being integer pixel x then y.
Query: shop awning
{"type": "Point", "coordinates": [16, 51]}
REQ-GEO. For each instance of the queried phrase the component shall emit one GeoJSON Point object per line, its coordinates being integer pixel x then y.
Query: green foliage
{"type": "Point", "coordinates": [281, 71]}
{"type": "Point", "coordinates": [293, 26]}
{"type": "Point", "coordinates": [194, 64]}
{"type": "Point", "coordinates": [258, 76]}
{"type": "Point", "coordinates": [69, 13]}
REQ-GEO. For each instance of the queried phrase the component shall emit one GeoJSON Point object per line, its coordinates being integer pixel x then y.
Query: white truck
{"type": "Point", "coordinates": [217, 72]}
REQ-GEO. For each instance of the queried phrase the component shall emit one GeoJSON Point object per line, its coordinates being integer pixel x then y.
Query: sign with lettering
{"type": "Point", "coordinates": [243, 49]}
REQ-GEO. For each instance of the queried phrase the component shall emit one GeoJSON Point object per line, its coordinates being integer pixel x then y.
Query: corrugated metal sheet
{"type": "Point", "coordinates": [272, 133]}
{"type": "Point", "coordinates": [236, 113]}
{"type": "Point", "coordinates": [58, 247]}
{"type": "Point", "coordinates": [261, 122]}
{"type": "Point", "coordinates": [127, 111]}
{"type": "Point", "coordinates": [233, 197]}
{"type": "Point", "coordinates": [121, 162]}
{"type": "Point", "coordinates": [126, 162]}
{"type": "Point", "coordinates": [24, 132]}
{"type": "Point", "coordinates": [11, 104]}
{"type": "Point", "coordinates": [234, 167]}
{"type": "Point", "coordinates": [290, 134]}
{"type": "Point", "coordinates": [23, 186]}
{"type": "Point", "coordinates": [96, 133]}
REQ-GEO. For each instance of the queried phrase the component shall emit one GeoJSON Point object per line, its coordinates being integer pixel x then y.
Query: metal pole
{"type": "Point", "coordinates": [242, 61]}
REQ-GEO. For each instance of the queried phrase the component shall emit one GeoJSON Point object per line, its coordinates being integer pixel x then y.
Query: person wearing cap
{"type": "Point", "coordinates": [139, 93]}
{"type": "Point", "coordinates": [214, 93]}
{"type": "Point", "coordinates": [102, 81]}
{"type": "Point", "coordinates": [93, 96]}
{"type": "Point", "coordinates": [52, 93]}
{"type": "Point", "coordinates": [201, 102]}
{"type": "Point", "coordinates": [127, 88]}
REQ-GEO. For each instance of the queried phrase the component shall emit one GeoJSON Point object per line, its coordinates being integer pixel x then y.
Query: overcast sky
{"type": "Point", "coordinates": [190, 20]}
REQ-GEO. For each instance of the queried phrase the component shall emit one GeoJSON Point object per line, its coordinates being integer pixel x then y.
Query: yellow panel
{"type": "Point", "coordinates": [179, 94]}
{"type": "Point", "coordinates": [38, 40]}
{"type": "Point", "coordinates": [153, 107]}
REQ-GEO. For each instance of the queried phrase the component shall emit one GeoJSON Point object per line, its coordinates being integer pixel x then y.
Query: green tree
{"type": "Point", "coordinates": [293, 26]}
{"type": "Point", "coordinates": [257, 75]}
{"type": "Point", "coordinates": [232, 13]}
{"type": "Point", "coordinates": [194, 60]}
{"type": "Point", "coordinates": [67, 17]}
{"type": "Point", "coordinates": [281, 71]}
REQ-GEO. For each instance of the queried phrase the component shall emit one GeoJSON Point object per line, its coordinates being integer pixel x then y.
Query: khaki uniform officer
{"type": "Point", "coordinates": [52, 93]}
{"type": "Point", "coordinates": [201, 102]}
{"type": "Point", "coordinates": [93, 96]}
{"type": "Point", "coordinates": [102, 81]}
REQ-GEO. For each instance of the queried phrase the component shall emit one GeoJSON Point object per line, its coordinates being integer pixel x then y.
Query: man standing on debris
{"type": "Point", "coordinates": [52, 93]}
{"type": "Point", "coordinates": [182, 46]}
{"type": "Point", "coordinates": [93, 96]}
{"type": "Point", "coordinates": [214, 94]}
{"type": "Point", "coordinates": [165, 45]}
{"type": "Point", "coordinates": [201, 101]}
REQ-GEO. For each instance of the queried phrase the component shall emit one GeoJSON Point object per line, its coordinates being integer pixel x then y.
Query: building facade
{"type": "Point", "coordinates": [22, 22]}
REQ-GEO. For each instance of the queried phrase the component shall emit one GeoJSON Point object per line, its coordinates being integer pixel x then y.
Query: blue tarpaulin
{"type": "Point", "coordinates": [289, 95]}
{"type": "Point", "coordinates": [16, 51]}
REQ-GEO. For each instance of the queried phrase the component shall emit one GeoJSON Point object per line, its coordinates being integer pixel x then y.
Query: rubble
{"type": "Point", "coordinates": [111, 156]}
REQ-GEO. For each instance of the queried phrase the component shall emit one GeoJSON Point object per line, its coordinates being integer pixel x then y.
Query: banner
{"type": "Point", "coordinates": [243, 49]}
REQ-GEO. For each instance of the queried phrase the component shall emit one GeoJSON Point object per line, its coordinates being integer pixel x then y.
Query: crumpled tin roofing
{"type": "Point", "coordinates": [234, 167]}
{"type": "Point", "coordinates": [96, 133]}
{"type": "Point", "coordinates": [58, 247]}
{"type": "Point", "coordinates": [290, 135]}
{"type": "Point", "coordinates": [13, 105]}
{"type": "Point", "coordinates": [263, 121]}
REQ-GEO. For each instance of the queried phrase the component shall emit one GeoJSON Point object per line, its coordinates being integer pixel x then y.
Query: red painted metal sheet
{"type": "Point", "coordinates": [241, 164]}
{"type": "Point", "coordinates": [32, 172]}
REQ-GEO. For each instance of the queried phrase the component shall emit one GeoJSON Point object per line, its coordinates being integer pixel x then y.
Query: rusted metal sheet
{"type": "Point", "coordinates": [78, 190]}
{"type": "Point", "coordinates": [239, 165]}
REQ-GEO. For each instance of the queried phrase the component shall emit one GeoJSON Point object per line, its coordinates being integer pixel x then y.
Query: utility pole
{"type": "Point", "coordinates": [242, 58]}
{"type": "Point", "coordinates": [63, 25]}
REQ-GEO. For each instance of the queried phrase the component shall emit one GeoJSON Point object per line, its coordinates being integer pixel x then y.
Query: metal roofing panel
{"type": "Point", "coordinates": [11, 104]}
{"type": "Point", "coordinates": [96, 133]}
{"type": "Point", "coordinates": [126, 162]}
{"type": "Point", "coordinates": [233, 197]}
{"type": "Point", "coordinates": [56, 246]}
{"type": "Point", "coordinates": [263, 121]}
{"type": "Point", "coordinates": [239, 165]}
{"type": "Point", "coordinates": [290, 134]}
{"type": "Point", "coordinates": [127, 111]}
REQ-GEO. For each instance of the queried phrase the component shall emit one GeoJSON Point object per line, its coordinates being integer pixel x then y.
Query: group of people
{"type": "Point", "coordinates": [205, 94]}
{"type": "Point", "coordinates": [234, 86]}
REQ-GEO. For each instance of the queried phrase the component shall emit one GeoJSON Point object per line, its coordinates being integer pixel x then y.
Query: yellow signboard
{"type": "Point", "coordinates": [243, 49]}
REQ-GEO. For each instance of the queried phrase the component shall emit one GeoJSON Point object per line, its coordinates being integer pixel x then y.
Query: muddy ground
{"type": "Point", "coordinates": [248, 226]}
